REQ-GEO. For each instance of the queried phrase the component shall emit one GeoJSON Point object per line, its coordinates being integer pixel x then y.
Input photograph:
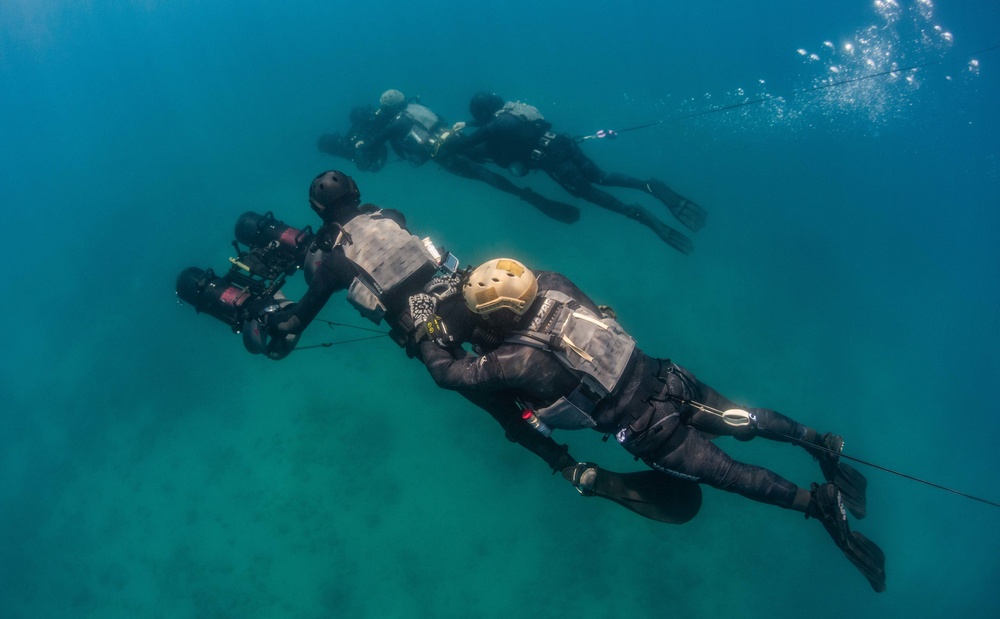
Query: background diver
{"type": "Point", "coordinates": [568, 360]}
{"type": "Point", "coordinates": [365, 121]}
{"type": "Point", "coordinates": [370, 253]}
{"type": "Point", "coordinates": [516, 136]}
{"type": "Point", "coordinates": [416, 134]}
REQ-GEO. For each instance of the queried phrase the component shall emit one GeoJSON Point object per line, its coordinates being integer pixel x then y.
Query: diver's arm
{"type": "Point", "coordinates": [459, 141]}
{"type": "Point", "coordinates": [507, 413]}
{"type": "Point", "coordinates": [396, 128]}
{"type": "Point", "coordinates": [470, 373]}
{"type": "Point", "coordinates": [330, 277]}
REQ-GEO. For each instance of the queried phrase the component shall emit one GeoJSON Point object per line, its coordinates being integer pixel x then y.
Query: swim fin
{"type": "Point", "coordinates": [852, 484]}
{"type": "Point", "coordinates": [827, 507]}
{"type": "Point", "coordinates": [676, 240]}
{"type": "Point", "coordinates": [649, 493]}
{"type": "Point", "coordinates": [853, 488]}
{"type": "Point", "coordinates": [686, 211]}
{"type": "Point", "coordinates": [560, 211]}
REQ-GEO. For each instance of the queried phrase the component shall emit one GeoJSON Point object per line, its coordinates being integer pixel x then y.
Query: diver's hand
{"type": "Point", "coordinates": [282, 322]}
{"type": "Point", "coordinates": [422, 308]}
{"type": "Point", "coordinates": [458, 126]}
{"type": "Point", "coordinates": [443, 286]}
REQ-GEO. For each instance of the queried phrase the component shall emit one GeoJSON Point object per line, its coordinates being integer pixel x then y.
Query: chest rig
{"type": "Point", "coordinates": [384, 255]}
{"type": "Point", "coordinates": [592, 346]}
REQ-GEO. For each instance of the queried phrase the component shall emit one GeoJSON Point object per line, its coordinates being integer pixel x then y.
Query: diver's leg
{"type": "Point", "coordinates": [461, 166]}
{"type": "Point", "coordinates": [686, 211]}
{"type": "Point", "coordinates": [825, 448]}
{"type": "Point", "coordinates": [668, 235]}
{"type": "Point", "coordinates": [690, 455]}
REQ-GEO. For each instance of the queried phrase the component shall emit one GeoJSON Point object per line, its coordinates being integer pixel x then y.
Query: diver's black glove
{"type": "Point", "coordinates": [280, 320]}
{"type": "Point", "coordinates": [271, 328]}
{"type": "Point", "coordinates": [443, 286]}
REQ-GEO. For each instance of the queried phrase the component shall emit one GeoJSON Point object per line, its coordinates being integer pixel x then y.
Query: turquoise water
{"type": "Point", "coordinates": [847, 276]}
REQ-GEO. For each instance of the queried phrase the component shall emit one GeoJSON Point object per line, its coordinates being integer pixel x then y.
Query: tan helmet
{"type": "Point", "coordinates": [392, 99]}
{"type": "Point", "coordinates": [500, 283]}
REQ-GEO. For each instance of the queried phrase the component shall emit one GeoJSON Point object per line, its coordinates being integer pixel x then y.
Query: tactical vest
{"type": "Point", "coordinates": [525, 112]}
{"type": "Point", "coordinates": [384, 255]}
{"type": "Point", "coordinates": [592, 346]}
{"type": "Point", "coordinates": [418, 142]}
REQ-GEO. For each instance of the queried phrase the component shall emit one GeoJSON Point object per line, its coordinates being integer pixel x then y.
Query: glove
{"type": "Point", "coordinates": [422, 308]}
{"type": "Point", "coordinates": [443, 286]}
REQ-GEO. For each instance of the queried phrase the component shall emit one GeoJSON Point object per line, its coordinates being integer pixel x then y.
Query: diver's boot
{"type": "Point", "coordinates": [582, 475]}
{"type": "Point", "coordinates": [686, 211]}
{"type": "Point", "coordinates": [828, 455]}
{"type": "Point", "coordinates": [560, 211]}
{"type": "Point", "coordinates": [827, 506]}
{"type": "Point", "coordinates": [851, 483]}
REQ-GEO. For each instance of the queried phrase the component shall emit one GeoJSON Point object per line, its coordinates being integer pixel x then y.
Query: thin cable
{"type": "Point", "coordinates": [329, 344]}
{"type": "Point", "coordinates": [332, 324]}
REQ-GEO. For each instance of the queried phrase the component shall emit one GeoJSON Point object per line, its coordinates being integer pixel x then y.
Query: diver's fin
{"type": "Point", "coordinates": [852, 484]}
{"type": "Point", "coordinates": [560, 211]}
{"type": "Point", "coordinates": [853, 489]}
{"type": "Point", "coordinates": [674, 239]}
{"type": "Point", "coordinates": [827, 507]}
{"type": "Point", "coordinates": [689, 214]}
{"type": "Point", "coordinates": [686, 211]}
{"type": "Point", "coordinates": [868, 558]}
{"type": "Point", "coordinates": [648, 493]}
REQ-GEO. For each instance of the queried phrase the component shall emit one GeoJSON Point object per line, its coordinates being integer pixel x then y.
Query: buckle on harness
{"type": "Point", "coordinates": [539, 151]}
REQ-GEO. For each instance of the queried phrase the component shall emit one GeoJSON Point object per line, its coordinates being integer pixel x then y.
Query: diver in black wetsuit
{"type": "Point", "coordinates": [370, 253]}
{"type": "Point", "coordinates": [516, 136]}
{"type": "Point", "coordinates": [416, 134]}
{"type": "Point", "coordinates": [365, 122]}
{"type": "Point", "coordinates": [570, 362]}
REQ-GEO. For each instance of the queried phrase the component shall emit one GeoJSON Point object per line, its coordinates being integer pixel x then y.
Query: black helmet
{"type": "Point", "coordinates": [483, 105]}
{"type": "Point", "coordinates": [332, 190]}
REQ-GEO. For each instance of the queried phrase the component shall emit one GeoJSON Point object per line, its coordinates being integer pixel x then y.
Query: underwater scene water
{"type": "Point", "coordinates": [848, 155]}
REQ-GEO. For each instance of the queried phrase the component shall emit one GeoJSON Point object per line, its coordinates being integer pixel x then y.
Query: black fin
{"type": "Point", "coordinates": [827, 507]}
{"type": "Point", "coordinates": [686, 211]}
{"type": "Point", "coordinates": [868, 558]}
{"type": "Point", "coordinates": [853, 488]}
{"type": "Point", "coordinates": [689, 214]}
{"type": "Point", "coordinates": [560, 211]}
{"type": "Point", "coordinates": [648, 493]}
{"type": "Point", "coordinates": [675, 239]}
